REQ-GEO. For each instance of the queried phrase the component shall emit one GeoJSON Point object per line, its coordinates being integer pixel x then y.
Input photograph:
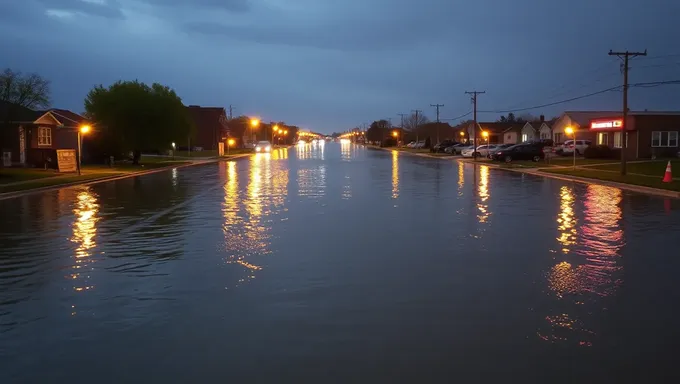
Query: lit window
{"type": "Point", "coordinates": [603, 138]}
{"type": "Point", "coordinates": [44, 136]}
{"type": "Point", "coordinates": [665, 139]}
{"type": "Point", "coordinates": [525, 137]}
{"type": "Point", "coordinates": [617, 139]}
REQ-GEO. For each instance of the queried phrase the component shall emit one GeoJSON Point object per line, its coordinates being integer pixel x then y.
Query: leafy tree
{"type": "Point", "coordinates": [133, 116]}
{"type": "Point", "coordinates": [378, 130]}
{"type": "Point", "coordinates": [19, 91]}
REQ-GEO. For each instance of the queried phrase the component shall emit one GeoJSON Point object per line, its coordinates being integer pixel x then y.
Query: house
{"type": "Point", "coordinates": [499, 132]}
{"type": "Point", "coordinates": [536, 130]}
{"type": "Point", "coordinates": [211, 126]}
{"type": "Point", "coordinates": [33, 137]}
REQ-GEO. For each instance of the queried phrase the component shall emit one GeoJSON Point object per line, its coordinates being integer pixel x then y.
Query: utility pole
{"type": "Point", "coordinates": [624, 134]}
{"type": "Point", "coordinates": [416, 111]}
{"type": "Point", "coordinates": [437, 106]}
{"type": "Point", "coordinates": [402, 119]}
{"type": "Point", "coordinates": [231, 112]}
{"type": "Point", "coordinates": [474, 129]}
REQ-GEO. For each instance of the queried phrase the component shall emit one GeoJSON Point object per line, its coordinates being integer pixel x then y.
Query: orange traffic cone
{"type": "Point", "coordinates": [668, 177]}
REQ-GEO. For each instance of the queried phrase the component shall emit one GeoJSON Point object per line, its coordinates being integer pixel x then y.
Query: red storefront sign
{"type": "Point", "coordinates": [606, 124]}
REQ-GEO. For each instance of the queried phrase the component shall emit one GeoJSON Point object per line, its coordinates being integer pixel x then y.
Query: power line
{"type": "Point", "coordinates": [554, 103]}
{"type": "Point", "coordinates": [459, 117]}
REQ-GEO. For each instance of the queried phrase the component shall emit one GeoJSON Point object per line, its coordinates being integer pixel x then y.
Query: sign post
{"type": "Point", "coordinates": [66, 160]}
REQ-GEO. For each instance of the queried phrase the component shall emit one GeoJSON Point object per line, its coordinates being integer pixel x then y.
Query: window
{"type": "Point", "coordinates": [617, 139]}
{"type": "Point", "coordinates": [603, 138]}
{"type": "Point", "coordinates": [545, 135]}
{"type": "Point", "coordinates": [558, 137]}
{"type": "Point", "coordinates": [44, 136]}
{"type": "Point", "coordinates": [665, 139]}
{"type": "Point", "coordinates": [525, 137]}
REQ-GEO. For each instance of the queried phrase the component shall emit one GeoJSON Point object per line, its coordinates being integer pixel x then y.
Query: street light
{"type": "Point", "coordinates": [84, 129]}
{"type": "Point", "coordinates": [173, 150]}
{"type": "Point", "coordinates": [572, 132]}
{"type": "Point", "coordinates": [254, 123]}
{"type": "Point", "coordinates": [485, 135]}
{"type": "Point", "coordinates": [230, 143]}
{"type": "Point", "coordinates": [462, 135]}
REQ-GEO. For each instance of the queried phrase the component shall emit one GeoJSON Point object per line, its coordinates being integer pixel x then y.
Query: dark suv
{"type": "Point", "coordinates": [532, 152]}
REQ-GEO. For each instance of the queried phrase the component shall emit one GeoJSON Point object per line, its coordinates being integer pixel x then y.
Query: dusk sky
{"type": "Point", "coordinates": [330, 65]}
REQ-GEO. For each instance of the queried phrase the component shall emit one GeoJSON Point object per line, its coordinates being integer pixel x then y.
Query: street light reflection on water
{"type": "Point", "coordinates": [395, 174]}
{"type": "Point", "coordinates": [84, 231]}
{"type": "Point", "coordinates": [483, 193]}
{"type": "Point", "coordinates": [588, 272]}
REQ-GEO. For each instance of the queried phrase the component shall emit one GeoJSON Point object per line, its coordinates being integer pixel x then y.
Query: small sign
{"type": "Point", "coordinates": [606, 124]}
{"type": "Point", "coordinates": [67, 160]}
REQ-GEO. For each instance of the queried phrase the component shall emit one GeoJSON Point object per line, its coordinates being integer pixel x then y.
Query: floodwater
{"type": "Point", "coordinates": [336, 263]}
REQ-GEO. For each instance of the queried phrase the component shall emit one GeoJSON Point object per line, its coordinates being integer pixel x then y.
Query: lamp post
{"type": "Point", "coordinates": [485, 135]}
{"type": "Point", "coordinates": [572, 132]}
{"type": "Point", "coordinates": [462, 135]}
{"type": "Point", "coordinates": [395, 134]}
{"type": "Point", "coordinates": [81, 131]}
{"type": "Point", "coordinates": [173, 150]}
{"type": "Point", "coordinates": [254, 123]}
{"type": "Point", "coordinates": [230, 143]}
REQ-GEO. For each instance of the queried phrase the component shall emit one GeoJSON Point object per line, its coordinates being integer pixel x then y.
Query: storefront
{"type": "Point", "coordinates": [647, 134]}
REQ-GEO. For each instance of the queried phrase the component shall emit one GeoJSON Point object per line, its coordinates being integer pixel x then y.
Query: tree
{"type": "Point", "coordinates": [377, 130]}
{"type": "Point", "coordinates": [411, 122]}
{"type": "Point", "coordinates": [18, 91]}
{"type": "Point", "coordinates": [132, 116]}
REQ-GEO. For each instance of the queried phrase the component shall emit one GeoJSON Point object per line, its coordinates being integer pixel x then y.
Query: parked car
{"type": "Point", "coordinates": [500, 146]}
{"type": "Point", "coordinates": [441, 147]}
{"type": "Point", "coordinates": [581, 145]}
{"type": "Point", "coordinates": [455, 149]}
{"type": "Point", "coordinates": [520, 152]}
{"type": "Point", "coordinates": [419, 145]}
{"type": "Point", "coordinates": [411, 144]}
{"type": "Point", "coordinates": [482, 150]}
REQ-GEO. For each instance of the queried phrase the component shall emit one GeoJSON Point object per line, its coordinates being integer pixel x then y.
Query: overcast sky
{"type": "Point", "coordinates": [329, 65]}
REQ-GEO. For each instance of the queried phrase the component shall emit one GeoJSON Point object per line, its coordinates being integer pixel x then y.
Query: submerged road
{"type": "Point", "coordinates": [336, 263]}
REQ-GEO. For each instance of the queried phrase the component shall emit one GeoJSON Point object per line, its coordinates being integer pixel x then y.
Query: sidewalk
{"type": "Point", "coordinates": [94, 176]}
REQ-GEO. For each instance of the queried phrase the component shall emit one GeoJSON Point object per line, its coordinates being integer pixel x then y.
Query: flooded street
{"type": "Point", "coordinates": [336, 263]}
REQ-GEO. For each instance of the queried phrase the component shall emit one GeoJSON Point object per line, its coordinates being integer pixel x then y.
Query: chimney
{"type": "Point", "coordinates": [542, 118]}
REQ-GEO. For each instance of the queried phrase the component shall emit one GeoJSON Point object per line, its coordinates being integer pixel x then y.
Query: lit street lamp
{"type": "Point", "coordinates": [572, 132]}
{"type": "Point", "coordinates": [462, 135]}
{"type": "Point", "coordinates": [82, 131]}
{"type": "Point", "coordinates": [395, 134]}
{"type": "Point", "coordinates": [254, 123]}
{"type": "Point", "coordinates": [173, 150]}
{"type": "Point", "coordinates": [230, 143]}
{"type": "Point", "coordinates": [485, 135]}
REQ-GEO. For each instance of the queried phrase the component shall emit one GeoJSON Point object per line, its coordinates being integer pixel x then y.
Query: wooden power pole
{"type": "Point", "coordinates": [625, 56]}
{"type": "Point", "coordinates": [416, 111]}
{"type": "Point", "coordinates": [474, 130]}
{"type": "Point", "coordinates": [437, 106]}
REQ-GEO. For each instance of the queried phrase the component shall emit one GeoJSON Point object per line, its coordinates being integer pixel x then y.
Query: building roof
{"type": "Point", "coordinates": [68, 118]}
{"type": "Point", "coordinates": [583, 118]}
{"type": "Point", "coordinates": [17, 113]}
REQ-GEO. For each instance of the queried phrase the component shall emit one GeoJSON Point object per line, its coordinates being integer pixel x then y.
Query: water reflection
{"type": "Point", "coordinates": [84, 230]}
{"type": "Point", "coordinates": [590, 271]}
{"type": "Point", "coordinates": [345, 151]}
{"type": "Point", "coordinates": [395, 174]}
{"type": "Point", "coordinates": [566, 219]}
{"type": "Point", "coordinates": [312, 181]}
{"type": "Point", "coordinates": [483, 193]}
{"type": "Point", "coordinates": [280, 154]}
{"type": "Point", "coordinates": [461, 177]}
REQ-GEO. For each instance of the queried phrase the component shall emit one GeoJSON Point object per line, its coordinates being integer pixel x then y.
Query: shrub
{"type": "Point", "coordinates": [601, 152]}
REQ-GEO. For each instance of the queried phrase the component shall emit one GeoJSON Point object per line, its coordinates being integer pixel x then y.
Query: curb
{"type": "Point", "coordinates": [577, 179]}
{"type": "Point", "coordinates": [11, 195]}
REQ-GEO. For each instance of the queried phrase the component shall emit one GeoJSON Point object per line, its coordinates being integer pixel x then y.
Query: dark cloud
{"type": "Point", "coordinates": [229, 5]}
{"type": "Point", "coordinates": [109, 9]}
{"type": "Point", "coordinates": [331, 35]}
